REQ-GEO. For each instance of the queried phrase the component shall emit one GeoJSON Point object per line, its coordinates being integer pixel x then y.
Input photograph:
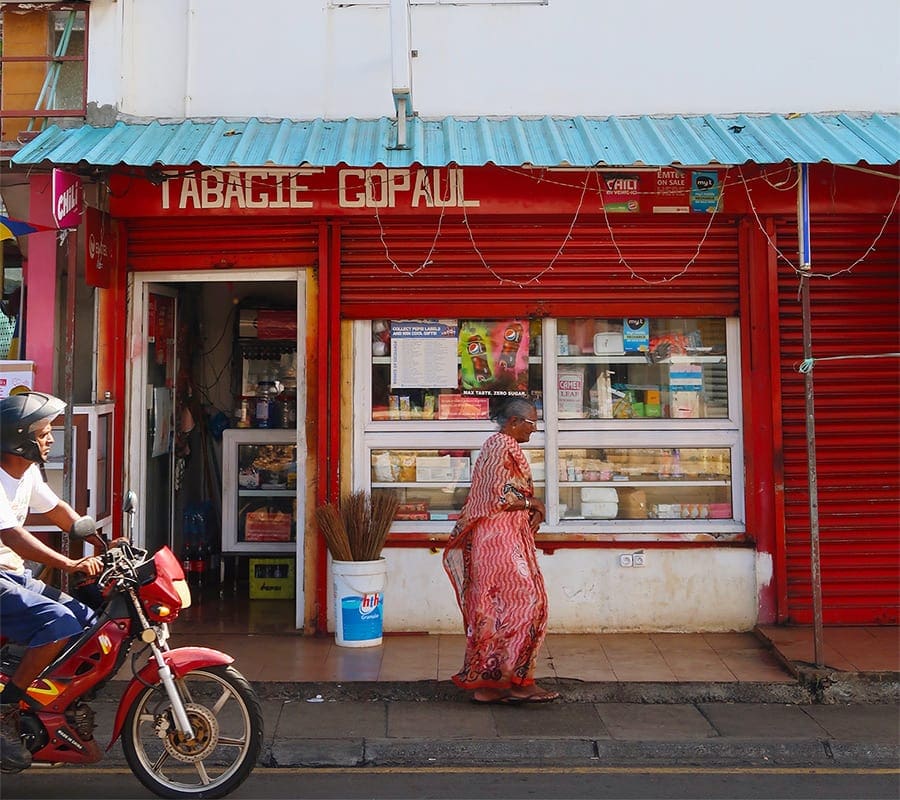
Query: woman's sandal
{"type": "Point", "coordinates": [505, 700]}
{"type": "Point", "coordinates": [538, 696]}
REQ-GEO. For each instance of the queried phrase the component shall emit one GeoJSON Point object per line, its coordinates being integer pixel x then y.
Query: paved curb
{"type": "Point", "coordinates": [572, 691]}
{"type": "Point", "coordinates": [597, 752]}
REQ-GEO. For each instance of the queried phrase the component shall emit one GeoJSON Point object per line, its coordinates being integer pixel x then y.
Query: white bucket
{"type": "Point", "coordinates": [358, 602]}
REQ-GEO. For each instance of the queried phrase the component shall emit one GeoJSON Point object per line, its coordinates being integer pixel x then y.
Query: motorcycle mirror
{"type": "Point", "coordinates": [83, 528]}
{"type": "Point", "coordinates": [129, 502]}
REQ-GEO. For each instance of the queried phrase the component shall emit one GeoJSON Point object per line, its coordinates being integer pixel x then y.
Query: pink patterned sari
{"type": "Point", "coordinates": [492, 565]}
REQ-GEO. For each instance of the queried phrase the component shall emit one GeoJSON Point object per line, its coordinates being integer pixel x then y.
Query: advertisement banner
{"type": "Point", "coordinates": [494, 357]}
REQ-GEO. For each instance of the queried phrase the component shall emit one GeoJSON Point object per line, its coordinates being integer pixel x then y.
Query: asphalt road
{"type": "Point", "coordinates": [469, 783]}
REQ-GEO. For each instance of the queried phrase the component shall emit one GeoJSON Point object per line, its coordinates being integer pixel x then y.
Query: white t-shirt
{"type": "Point", "coordinates": [16, 498]}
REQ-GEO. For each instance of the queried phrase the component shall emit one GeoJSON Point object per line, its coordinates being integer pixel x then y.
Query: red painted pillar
{"type": "Point", "coordinates": [40, 288]}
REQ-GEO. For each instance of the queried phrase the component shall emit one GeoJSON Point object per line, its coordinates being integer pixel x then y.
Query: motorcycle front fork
{"type": "Point", "coordinates": [168, 682]}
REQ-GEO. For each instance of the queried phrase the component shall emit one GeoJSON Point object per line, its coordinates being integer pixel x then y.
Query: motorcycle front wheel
{"type": "Point", "coordinates": [226, 718]}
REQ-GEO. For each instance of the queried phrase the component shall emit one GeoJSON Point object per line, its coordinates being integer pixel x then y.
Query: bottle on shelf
{"type": "Point", "coordinates": [265, 406]}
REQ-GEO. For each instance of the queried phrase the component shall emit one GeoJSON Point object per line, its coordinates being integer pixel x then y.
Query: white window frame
{"type": "Point", "coordinates": [369, 435]}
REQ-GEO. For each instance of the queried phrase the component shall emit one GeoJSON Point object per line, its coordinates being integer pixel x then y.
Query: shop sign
{"type": "Point", "coordinates": [451, 190]}
{"type": "Point", "coordinates": [100, 240]}
{"type": "Point", "coordinates": [298, 189]}
{"type": "Point", "coordinates": [67, 199]}
{"type": "Point", "coordinates": [621, 193]}
{"type": "Point", "coordinates": [706, 191]}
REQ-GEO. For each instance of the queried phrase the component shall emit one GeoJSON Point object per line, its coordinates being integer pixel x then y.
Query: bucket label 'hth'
{"type": "Point", "coordinates": [362, 617]}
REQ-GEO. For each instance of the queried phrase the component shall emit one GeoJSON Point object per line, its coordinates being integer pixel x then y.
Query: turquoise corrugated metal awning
{"type": "Point", "coordinates": [509, 141]}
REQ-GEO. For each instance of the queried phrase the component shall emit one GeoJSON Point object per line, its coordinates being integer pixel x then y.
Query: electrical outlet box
{"type": "Point", "coordinates": [626, 560]}
{"type": "Point", "coordinates": [637, 559]}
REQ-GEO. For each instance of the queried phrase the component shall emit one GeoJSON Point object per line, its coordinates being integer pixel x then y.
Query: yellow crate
{"type": "Point", "coordinates": [272, 578]}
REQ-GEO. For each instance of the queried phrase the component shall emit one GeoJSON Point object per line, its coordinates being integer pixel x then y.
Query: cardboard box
{"type": "Point", "coordinates": [633, 504]}
{"type": "Point", "coordinates": [16, 377]}
{"type": "Point", "coordinates": [272, 578]}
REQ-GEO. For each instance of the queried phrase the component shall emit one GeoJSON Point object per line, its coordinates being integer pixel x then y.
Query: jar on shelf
{"type": "Point", "coordinates": [287, 403]}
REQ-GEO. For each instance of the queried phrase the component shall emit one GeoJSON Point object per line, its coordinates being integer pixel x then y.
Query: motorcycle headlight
{"type": "Point", "coordinates": [184, 592]}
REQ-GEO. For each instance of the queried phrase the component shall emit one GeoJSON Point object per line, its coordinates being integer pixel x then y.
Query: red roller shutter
{"type": "Point", "coordinates": [680, 266]}
{"type": "Point", "coordinates": [194, 243]}
{"type": "Point", "coordinates": [856, 421]}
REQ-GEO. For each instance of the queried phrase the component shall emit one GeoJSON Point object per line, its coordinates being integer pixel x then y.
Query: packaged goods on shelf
{"type": "Point", "coordinates": [442, 469]}
{"type": "Point", "coordinates": [267, 526]}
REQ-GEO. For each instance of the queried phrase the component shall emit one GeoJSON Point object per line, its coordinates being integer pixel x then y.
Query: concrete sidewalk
{"type": "Point", "coordinates": [397, 725]}
{"type": "Point", "coordinates": [323, 731]}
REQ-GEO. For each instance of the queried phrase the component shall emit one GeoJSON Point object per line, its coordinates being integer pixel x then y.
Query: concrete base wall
{"type": "Point", "coordinates": [712, 589]}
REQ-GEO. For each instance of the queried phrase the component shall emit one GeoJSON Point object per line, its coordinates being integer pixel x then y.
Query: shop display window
{"type": "Point", "coordinates": [432, 484]}
{"type": "Point", "coordinates": [642, 434]}
{"type": "Point", "coordinates": [640, 483]}
{"type": "Point", "coordinates": [642, 368]}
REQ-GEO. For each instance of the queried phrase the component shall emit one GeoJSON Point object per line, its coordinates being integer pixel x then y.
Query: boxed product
{"type": "Point", "coordinates": [684, 404]}
{"type": "Point", "coordinates": [599, 510]}
{"type": "Point", "coordinates": [599, 494]}
{"type": "Point", "coordinates": [570, 382]}
{"type": "Point", "coordinates": [599, 502]}
{"type": "Point", "coordinates": [633, 504]}
{"type": "Point", "coordinates": [16, 377]}
{"type": "Point", "coordinates": [608, 342]}
{"type": "Point", "coordinates": [442, 469]}
{"type": "Point", "coordinates": [412, 509]}
{"type": "Point", "coordinates": [267, 526]}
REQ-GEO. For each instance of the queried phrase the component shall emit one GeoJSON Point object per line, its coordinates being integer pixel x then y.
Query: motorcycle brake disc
{"type": "Point", "coordinates": [206, 734]}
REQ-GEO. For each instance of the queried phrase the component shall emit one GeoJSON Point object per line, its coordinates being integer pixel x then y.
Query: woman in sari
{"type": "Point", "coordinates": [492, 565]}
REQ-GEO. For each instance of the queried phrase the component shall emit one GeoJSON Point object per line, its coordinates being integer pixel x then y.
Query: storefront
{"type": "Point", "coordinates": [652, 315]}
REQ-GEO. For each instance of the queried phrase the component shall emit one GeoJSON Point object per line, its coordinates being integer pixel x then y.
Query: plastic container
{"type": "Point", "coordinates": [358, 602]}
{"type": "Point", "coordinates": [265, 408]}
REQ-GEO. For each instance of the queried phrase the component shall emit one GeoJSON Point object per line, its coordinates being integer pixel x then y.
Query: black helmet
{"type": "Point", "coordinates": [20, 416]}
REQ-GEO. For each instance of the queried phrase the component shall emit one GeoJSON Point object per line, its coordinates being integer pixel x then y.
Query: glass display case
{"type": "Point", "coordinates": [259, 491]}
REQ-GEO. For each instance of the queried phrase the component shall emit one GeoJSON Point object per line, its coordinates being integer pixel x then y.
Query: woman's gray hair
{"type": "Point", "coordinates": [516, 407]}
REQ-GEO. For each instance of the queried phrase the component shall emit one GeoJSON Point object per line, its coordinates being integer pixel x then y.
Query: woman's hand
{"type": "Point", "coordinates": [537, 513]}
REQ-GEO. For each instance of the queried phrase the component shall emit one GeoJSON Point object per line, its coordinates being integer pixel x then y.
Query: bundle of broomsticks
{"type": "Point", "coordinates": [357, 529]}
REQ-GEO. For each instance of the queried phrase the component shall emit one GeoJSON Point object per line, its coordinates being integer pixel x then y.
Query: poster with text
{"type": "Point", "coordinates": [423, 354]}
{"type": "Point", "coordinates": [494, 357]}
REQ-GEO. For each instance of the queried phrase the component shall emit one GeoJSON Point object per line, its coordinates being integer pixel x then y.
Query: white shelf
{"type": "Point", "coordinates": [612, 358]}
{"type": "Point", "coordinates": [661, 482]}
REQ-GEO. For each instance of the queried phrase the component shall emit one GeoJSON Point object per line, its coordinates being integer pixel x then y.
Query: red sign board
{"type": "Point", "coordinates": [68, 199]}
{"type": "Point", "coordinates": [100, 248]}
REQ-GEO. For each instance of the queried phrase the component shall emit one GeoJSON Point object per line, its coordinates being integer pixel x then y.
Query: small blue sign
{"type": "Point", "coordinates": [706, 191]}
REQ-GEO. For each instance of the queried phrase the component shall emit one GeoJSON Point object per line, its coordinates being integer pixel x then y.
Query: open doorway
{"type": "Point", "coordinates": [215, 433]}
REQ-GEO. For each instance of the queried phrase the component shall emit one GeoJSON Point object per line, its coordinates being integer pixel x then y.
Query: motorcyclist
{"type": "Point", "coordinates": [31, 612]}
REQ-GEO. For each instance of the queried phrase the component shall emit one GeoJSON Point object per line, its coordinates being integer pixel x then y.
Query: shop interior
{"type": "Point", "coordinates": [231, 463]}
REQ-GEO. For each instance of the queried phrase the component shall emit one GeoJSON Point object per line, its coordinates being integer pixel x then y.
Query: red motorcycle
{"type": "Point", "coordinates": [191, 724]}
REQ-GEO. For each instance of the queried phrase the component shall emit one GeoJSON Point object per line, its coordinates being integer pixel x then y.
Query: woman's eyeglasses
{"type": "Point", "coordinates": [531, 422]}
